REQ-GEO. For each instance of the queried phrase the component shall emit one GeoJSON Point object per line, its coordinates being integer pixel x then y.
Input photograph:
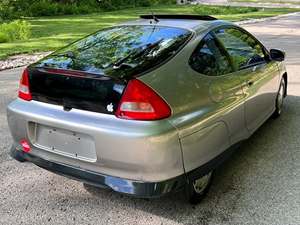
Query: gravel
{"type": "Point", "coordinates": [259, 185]}
{"type": "Point", "coordinates": [21, 60]}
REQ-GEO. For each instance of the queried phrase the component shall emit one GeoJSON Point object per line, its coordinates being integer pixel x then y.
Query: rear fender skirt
{"type": "Point", "coordinates": [202, 146]}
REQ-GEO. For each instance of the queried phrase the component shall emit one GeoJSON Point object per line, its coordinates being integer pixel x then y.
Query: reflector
{"type": "Point", "coordinates": [25, 146]}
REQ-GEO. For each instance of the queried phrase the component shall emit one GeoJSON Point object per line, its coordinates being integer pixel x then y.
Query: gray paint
{"type": "Point", "coordinates": [208, 115]}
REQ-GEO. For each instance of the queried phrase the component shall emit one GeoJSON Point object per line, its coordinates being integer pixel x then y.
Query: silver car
{"type": "Point", "coordinates": [147, 107]}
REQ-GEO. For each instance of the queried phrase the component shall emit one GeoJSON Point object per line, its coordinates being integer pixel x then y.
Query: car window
{"type": "Point", "coordinates": [120, 51]}
{"type": "Point", "coordinates": [244, 50]}
{"type": "Point", "coordinates": [210, 59]}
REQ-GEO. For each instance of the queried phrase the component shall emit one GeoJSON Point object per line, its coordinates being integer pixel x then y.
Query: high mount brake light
{"type": "Point", "coordinates": [140, 102]}
{"type": "Point", "coordinates": [24, 90]}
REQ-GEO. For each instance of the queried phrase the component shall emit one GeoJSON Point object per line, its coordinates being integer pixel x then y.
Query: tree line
{"type": "Point", "coordinates": [13, 9]}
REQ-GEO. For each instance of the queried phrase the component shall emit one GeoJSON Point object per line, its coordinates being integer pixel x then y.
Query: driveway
{"type": "Point", "coordinates": [265, 4]}
{"type": "Point", "coordinates": [259, 185]}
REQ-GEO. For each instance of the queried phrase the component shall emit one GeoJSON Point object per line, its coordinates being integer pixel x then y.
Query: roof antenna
{"type": "Point", "coordinates": [154, 17]}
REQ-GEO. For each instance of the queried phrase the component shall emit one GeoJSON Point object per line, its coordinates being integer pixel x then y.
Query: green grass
{"type": "Point", "coordinates": [50, 33]}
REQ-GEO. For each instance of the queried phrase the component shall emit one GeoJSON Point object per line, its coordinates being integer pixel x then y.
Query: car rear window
{"type": "Point", "coordinates": [120, 51]}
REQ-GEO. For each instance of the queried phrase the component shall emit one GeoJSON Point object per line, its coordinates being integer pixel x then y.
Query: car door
{"type": "Point", "coordinates": [217, 122]}
{"type": "Point", "coordinates": [225, 87]}
{"type": "Point", "coordinates": [259, 75]}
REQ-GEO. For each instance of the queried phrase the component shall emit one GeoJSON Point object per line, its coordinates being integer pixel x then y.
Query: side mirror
{"type": "Point", "coordinates": [277, 55]}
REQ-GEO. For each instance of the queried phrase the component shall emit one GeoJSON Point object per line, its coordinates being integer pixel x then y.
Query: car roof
{"type": "Point", "coordinates": [190, 22]}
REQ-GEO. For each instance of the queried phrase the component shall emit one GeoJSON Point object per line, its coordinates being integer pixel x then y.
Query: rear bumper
{"type": "Point", "coordinates": [125, 186]}
{"type": "Point", "coordinates": [135, 150]}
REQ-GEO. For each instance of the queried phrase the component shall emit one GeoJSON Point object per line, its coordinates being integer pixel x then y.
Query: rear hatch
{"type": "Point", "coordinates": [81, 91]}
{"type": "Point", "coordinates": [92, 73]}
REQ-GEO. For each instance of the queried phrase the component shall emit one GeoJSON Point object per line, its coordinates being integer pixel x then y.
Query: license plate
{"type": "Point", "coordinates": [65, 142]}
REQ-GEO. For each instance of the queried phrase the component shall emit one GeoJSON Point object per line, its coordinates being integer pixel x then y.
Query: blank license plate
{"type": "Point", "coordinates": [64, 142]}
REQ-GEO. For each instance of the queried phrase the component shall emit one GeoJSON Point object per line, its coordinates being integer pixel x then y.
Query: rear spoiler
{"type": "Point", "coordinates": [181, 17]}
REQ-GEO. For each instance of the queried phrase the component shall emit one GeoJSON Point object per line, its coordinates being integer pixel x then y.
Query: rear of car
{"type": "Point", "coordinates": [83, 112]}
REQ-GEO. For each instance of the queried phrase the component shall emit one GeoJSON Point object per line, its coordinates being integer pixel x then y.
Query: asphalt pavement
{"type": "Point", "coordinates": [259, 185]}
{"type": "Point", "coordinates": [264, 4]}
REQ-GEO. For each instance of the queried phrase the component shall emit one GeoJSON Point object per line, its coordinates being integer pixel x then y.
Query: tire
{"type": "Point", "coordinates": [280, 99]}
{"type": "Point", "coordinates": [197, 189]}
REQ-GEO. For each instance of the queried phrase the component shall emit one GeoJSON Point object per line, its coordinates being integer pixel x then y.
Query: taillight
{"type": "Point", "coordinates": [24, 90]}
{"type": "Point", "coordinates": [140, 102]}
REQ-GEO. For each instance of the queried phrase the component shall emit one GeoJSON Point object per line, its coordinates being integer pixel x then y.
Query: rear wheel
{"type": "Point", "coordinates": [198, 188]}
{"type": "Point", "coordinates": [280, 99]}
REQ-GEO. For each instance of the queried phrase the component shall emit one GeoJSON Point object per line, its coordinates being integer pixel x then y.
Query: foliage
{"type": "Point", "coordinates": [119, 4]}
{"type": "Point", "coordinates": [16, 30]}
{"type": "Point", "coordinates": [12, 9]}
{"type": "Point", "coordinates": [51, 33]}
{"type": "Point", "coordinates": [6, 11]}
{"type": "Point", "coordinates": [215, 10]}
{"type": "Point", "coordinates": [3, 37]}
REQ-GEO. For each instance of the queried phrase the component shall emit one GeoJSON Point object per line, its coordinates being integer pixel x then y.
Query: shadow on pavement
{"type": "Point", "coordinates": [252, 175]}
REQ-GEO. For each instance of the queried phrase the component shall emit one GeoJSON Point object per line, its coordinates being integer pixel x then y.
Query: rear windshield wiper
{"type": "Point", "coordinates": [68, 54]}
{"type": "Point", "coordinates": [120, 63]}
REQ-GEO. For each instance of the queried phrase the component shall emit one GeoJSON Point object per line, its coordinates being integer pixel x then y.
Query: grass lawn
{"type": "Point", "coordinates": [50, 33]}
